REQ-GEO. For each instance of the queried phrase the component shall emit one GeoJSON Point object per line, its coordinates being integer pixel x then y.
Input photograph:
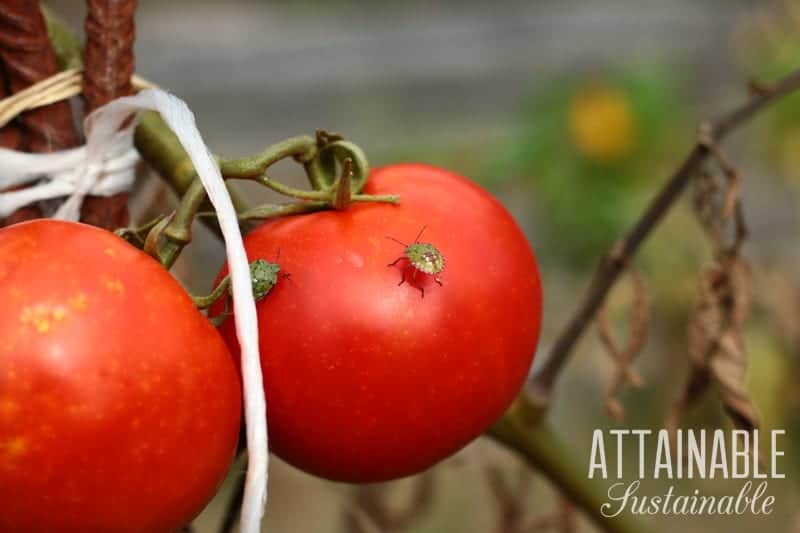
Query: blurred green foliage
{"type": "Point", "coordinates": [769, 44]}
{"type": "Point", "coordinates": [593, 147]}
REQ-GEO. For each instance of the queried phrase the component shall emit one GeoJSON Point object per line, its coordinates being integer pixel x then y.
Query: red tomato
{"type": "Point", "coordinates": [367, 380]}
{"type": "Point", "coordinates": [119, 402]}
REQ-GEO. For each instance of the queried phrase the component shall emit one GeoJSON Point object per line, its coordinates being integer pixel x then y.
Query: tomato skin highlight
{"type": "Point", "coordinates": [366, 380]}
{"type": "Point", "coordinates": [119, 402]}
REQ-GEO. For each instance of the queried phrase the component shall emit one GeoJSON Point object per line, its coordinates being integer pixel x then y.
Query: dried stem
{"type": "Point", "coordinates": [510, 499]}
{"type": "Point", "coordinates": [623, 355]}
{"type": "Point", "coordinates": [715, 340]}
{"type": "Point", "coordinates": [370, 509]}
{"type": "Point", "coordinates": [613, 264]}
{"type": "Point", "coordinates": [108, 60]}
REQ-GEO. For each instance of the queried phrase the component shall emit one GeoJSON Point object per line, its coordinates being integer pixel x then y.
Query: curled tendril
{"type": "Point", "coordinates": [333, 149]}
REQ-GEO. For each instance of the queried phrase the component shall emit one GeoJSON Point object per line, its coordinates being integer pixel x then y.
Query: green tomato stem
{"type": "Point", "coordinates": [285, 190]}
{"type": "Point", "coordinates": [179, 231]}
{"type": "Point", "coordinates": [524, 430]}
{"type": "Point", "coordinates": [161, 149]}
{"type": "Point", "coordinates": [136, 235]}
{"type": "Point", "coordinates": [302, 148]}
{"type": "Point", "coordinates": [268, 211]}
{"type": "Point", "coordinates": [204, 302]}
{"type": "Point", "coordinates": [65, 43]}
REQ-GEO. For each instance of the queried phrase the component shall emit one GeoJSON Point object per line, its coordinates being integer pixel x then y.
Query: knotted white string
{"type": "Point", "coordinates": [105, 166]}
{"type": "Point", "coordinates": [106, 169]}
{"type": "Point", "coordinates": [102, 166]}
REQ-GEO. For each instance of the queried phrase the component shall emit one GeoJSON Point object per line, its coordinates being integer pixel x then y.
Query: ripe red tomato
{"type": "Point", "coordinates": [367, 380]}
{"type": "Point", "coordinates": [119, 402]}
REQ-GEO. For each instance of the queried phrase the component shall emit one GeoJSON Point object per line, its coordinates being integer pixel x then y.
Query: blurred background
{"type": "Point", "coordinates": [572, 113]}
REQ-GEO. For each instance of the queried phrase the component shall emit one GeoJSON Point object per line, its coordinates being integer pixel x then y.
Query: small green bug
{"type": "Point", "coordinates": [263, 276]}
{"type": "Point", "coordinates": [422, 257]}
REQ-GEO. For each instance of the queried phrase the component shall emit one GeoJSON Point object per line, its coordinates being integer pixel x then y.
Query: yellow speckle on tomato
{"type": "Point", "coordinates": [114, 285]}
{"type": "Point", "coordinates": [37, 317]}
{"type": "Point", "coordinates": [601, 123]}
{"type": "Point", "coordinates": [8, 407]}
{"type": "Point", "coordinates": [41, 316]}
{"type": "Point", "coordinates": [76, 410]}
{"type": "Point", "coordinates": [14, 447]}
{"type": "Point", "coordinates": [110, 252]}
{"type": "Point", "coordinates": [78, 302]}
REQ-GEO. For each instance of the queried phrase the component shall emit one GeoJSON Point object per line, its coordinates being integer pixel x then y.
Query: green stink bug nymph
{"type": "Point", "coordinates": [422, 257]}
{"type": "Point", "coordinates": [264, 276]}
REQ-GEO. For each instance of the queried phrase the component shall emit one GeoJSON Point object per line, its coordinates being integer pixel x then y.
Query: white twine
{"type": "Point", "coordinates": [99, 167]}
{"type": "Point", "coordinates": [104, 167]}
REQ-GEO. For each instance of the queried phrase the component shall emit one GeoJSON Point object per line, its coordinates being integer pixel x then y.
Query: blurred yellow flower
{"type": "Point", "coordinates": [601, 123]}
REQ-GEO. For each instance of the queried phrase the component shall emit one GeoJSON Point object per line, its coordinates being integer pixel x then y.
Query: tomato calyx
{"type": "Point", "coordinates": [336, 169]}
{"type": "Point", "coordinates": [138, 235]}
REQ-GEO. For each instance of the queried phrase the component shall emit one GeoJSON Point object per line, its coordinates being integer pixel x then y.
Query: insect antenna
{"type": "Point", "coordinates": [397, 241]}
{"type": "Point", "coordinates": [420, 234]}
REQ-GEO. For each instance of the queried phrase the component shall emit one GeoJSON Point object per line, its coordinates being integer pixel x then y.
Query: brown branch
{"type": "Point", "coordinates": [613, 264]}
{"type": "Point", "coordinates": [28, 57]}
{"type": "Point", "coordinates": [11, 137]}
{"type": "Point", "coordinates": [108, 60]}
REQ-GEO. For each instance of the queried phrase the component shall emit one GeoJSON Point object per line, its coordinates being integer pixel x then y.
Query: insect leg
{"type": "Point", "coordinates": [403, 276]}
{"type": "Point", "coordinates": [393, 263]}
